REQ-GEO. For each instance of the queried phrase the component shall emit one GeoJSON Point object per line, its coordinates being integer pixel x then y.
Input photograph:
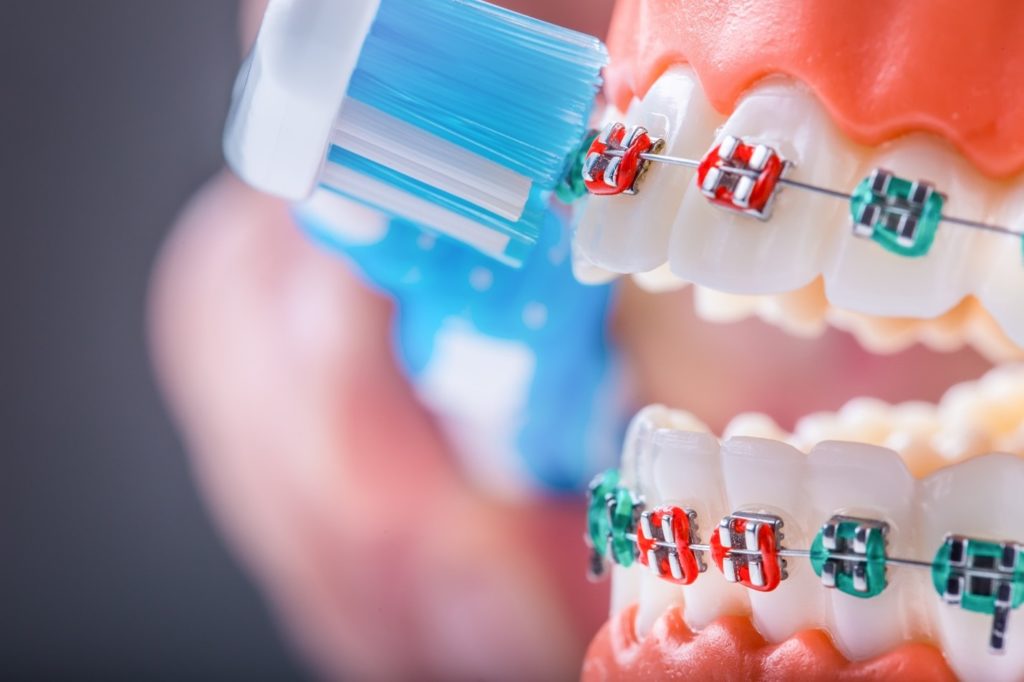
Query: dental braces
{"type": "Point", "coordinates": [901, 215]}
{"type": "Point", "coordinates": [848, 554]}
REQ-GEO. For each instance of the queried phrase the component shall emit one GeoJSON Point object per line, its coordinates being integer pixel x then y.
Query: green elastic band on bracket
{"type": "Point", "coordinates": [598, 524]}
{"type": "Point", "coordinates": [873, 559]}
{"type": "Point", "coordinates": [623, 549]}
{"type": "Point", "coordinates": [896, 196]}
{"type": "Point", "coordinates": [572, 187]}
{"type": "Point", "coordinates": [979, 595]}
{"type": "Point", "coordinates": [600, 527]}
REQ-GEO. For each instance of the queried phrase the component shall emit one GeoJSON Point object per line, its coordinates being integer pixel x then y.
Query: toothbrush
{"type": "Point", "coordinates": [456, 115]}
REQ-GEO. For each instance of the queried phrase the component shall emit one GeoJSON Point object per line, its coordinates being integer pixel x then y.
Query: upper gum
{"type": "Point", "coordinates": [869, 109]}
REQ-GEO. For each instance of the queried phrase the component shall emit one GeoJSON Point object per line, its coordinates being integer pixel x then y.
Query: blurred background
{"type": "Point", "coordinates": [111, 113]}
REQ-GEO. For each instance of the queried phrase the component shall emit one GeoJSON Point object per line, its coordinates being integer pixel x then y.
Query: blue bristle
{"type": "Point", "coordinates": [511, 89]}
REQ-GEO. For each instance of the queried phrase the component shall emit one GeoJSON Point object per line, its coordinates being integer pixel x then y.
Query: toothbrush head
{"type": "Point", "coordinates": [455, 115]}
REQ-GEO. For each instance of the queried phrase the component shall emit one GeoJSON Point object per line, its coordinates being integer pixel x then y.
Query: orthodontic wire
{"type": "Point", "coordinates": [826, 191]}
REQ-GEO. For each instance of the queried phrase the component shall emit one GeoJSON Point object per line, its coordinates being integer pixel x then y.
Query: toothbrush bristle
{"type": "Point", "coordinates": [510, 88]}
{"type": "Point", "coordinates": [513, 91]}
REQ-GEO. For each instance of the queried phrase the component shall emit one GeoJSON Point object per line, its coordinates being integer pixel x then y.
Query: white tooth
{"type": "Point", "coordinates": [755, 425]}
{"type": "Point", "coordinates": [687, 473]}
{"type": "Point", "coordinates": [820, 426]}
{"type": "Point", "coordinates": [866, 278]}
{"type": "Point", "coordinates": [869, 482]}
{"type": "Point", "coordinates": [659, 279]}
{"type": "Point", "coordinates": [796, 313]}
{"type": "Point", "coordinates": [956, 443]}
{"type": "Point", "coordinates": [636, 584]}
{"type": "Point", "coordinates": [1004, 259]}
{"type": "Point", "coordinates": [767, 476]}
{"type": "Point", "coordinates": [992, 405]}
{"type": "Point", "coordinates": [656, 597]}
{"type": "Point", "coordinates": [625, 587]}
{"type": "Point", "coordinates": [977, 498]}
{"type": "Point", "coordinates": [914, 424]}
{"type": "Point", "coordinates": [740, 254]}
{"type": "Point", "coordinates": [866, 417]}
{"type": "Point", "coordinates": [586, 272]}
{"type": "Point", "coordinates": [630, 233]}
{"type": "Point", "coordinates": [717, 306]}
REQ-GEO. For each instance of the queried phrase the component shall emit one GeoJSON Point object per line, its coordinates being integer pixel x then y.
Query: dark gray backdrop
{"type": "Point", "coordinates": [110, 113]}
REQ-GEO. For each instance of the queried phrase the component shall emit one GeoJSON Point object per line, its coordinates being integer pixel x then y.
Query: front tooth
{"type": "Point", "coordinates": [978, 498]}
{"type": "Point", "coordinates": [636, 584]}
{"type": "Point", "coordinates": [1001, 289]}
{"type": "Point", "coordinates": [767, 476]}
{"type": "Point", "coordinates": [629, 234]}
{"type": "Point", "coordinates": [625, 592]}
{"type": "Point", "coordinates": [866, 278]}
{"type": "Point", "coordinates": [740, 254]}
{"type": "Point", "coordinates": [872, 483]}
{"type": "Point", "coordinates": [656, 597]}
{"type": "Point", "coordinates": [687, 473]}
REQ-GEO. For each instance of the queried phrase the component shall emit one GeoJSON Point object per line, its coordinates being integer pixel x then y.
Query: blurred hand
{"type": "Point", "coordinates": [330, 480]}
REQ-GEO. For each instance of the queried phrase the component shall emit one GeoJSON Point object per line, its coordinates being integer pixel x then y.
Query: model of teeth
{"type": "Point", "coordinates": [921, 497]}
{"type": "Point", "coordinates": [905, 138]}
{"type": "Point", "coordinates": [670, 234]}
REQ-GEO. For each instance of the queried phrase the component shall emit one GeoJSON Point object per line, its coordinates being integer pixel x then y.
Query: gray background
{"type": "Point", "coordinates": [110, 114]}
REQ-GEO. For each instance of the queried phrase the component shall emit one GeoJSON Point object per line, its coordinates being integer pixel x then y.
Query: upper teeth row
{"type": "Point", "coordinates": [848, 554]}
{"type": "Point", "coordinates": [901, 215]}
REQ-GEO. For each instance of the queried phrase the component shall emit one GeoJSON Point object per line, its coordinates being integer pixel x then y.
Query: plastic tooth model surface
{"type": "Point", "coordinates": [868, 563]}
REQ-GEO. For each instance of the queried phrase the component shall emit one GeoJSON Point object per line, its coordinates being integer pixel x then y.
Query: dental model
{"type": "Point", "coordinates": [781, 155]}
{"type": "Point", "coordinates": [848, 553]}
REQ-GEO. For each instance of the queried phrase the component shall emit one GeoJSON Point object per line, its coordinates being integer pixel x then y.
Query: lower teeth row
{"type": "Point", "coordinates": [848, 553]}
{"type": "Point", "coordinates": [901, 215]}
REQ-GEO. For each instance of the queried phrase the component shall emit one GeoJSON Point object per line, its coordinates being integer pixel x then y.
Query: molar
{"type": "Point", "coordinates": [738, 253]}
{"type": "Point", "coordinates": [628, 234]}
